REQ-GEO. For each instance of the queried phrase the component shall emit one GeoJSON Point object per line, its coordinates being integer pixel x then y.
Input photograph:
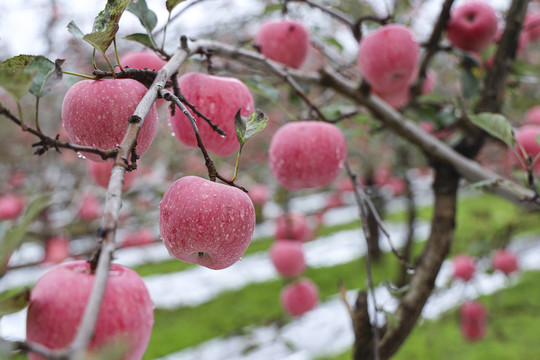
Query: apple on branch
{"type": "Point", "coordinates": [299, 297]}
{"type": "Point", "coordinates": [388, 60]}
{"type": "Point", "coordinates": [288, 257]}
{"type": "Point", "coordinates": [505, 261]}
{"type": "Point", "coordinates": [285, 41]}
{"type": "Point", "coordinates": [473, 320]}
{"type": "Point", "coordinates": [307, 154]}
{"type": "Point", "coordinates": [11, 206]}
{"type": "Point", "coordinates": [206, 223]}
{"type": "Point", "coordinates": [59, 298]}
{"type": "Point", "coordinates": [293, 226]}
{"type": "Point", "coordinates": [217, 98]}
{"type": "Point", "coordinates": [100, 173]}
{"type": "Point", "coordinates": [96, 113]}
{"type": "Point", "coordinates": [472, 26]}
{"type": "Point", "coordinates": [464, 267]}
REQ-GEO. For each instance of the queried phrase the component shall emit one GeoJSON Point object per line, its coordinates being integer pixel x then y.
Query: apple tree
{"type": "Point", "coordinates": [397, 102]}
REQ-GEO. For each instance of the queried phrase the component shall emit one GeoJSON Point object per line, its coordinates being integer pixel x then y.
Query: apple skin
{"type": "Point", "coordinates": [59, 298]}
{"type": "Point", "coordinates": [11, 206]}
{"type": "Point", "coordinates": [288, 257]}
{"type": "Point", "coordinates": [218, 98]}
{"type": "Point", "coordinates": [532, 116]}
{"type": "Point", "coordinates": [388, 58]}
{"type": "Point", "coordinates": [293, 226]}
{"type": "Point", "coordinates": [472, 26]}
{"type": "Point", "coordinates": [142, 59]}
{"type": "Point", "coordinates": [526, 136]}
{"type": "Point", "coordinates": [531, 25]}
{"type": "Point", "coordinates": [473, 320]}
{"type": "Point", "coordinates": [140, 237]}
{"type": "Point", "coordinates": [96, 113]}
{"type": "Point", "coordinates": [307, 154]}
{"type": "Point", "coordinates": [464, 267]}
{"type": "Point", "coordinates": [299, 297]}
{"type": "Point", "coordinates": [505, 261]}
{"type": "Point", "coordinates": [101, 174]}
{"type": "Point", "coordinates": [284, 41]}
{"type": "Point", "coordinates": [56, 250]}
{"type": "Point", "coordinates": [206, 223]}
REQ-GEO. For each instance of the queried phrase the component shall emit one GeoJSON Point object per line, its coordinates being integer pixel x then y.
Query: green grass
{"type": "Point", "coordinates": [513, 328]}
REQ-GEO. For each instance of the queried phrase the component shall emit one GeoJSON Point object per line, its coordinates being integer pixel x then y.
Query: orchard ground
{"type": "Point", "coordinates": [258, 328]}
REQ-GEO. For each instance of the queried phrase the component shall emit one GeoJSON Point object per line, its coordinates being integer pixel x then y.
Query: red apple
{"type": "Point", "coordinates": [293, 226]}
{"type": "Point", "coordinates": [532, 116]}
{"type": "Point", "coordinates": [142, 59]}
{"type": "Point", "coordinates": [300, 297]}
{"type": "Point", "coordinates": [284, 41]}
{"type": "Point", "coordinates": [526, 136]}
{"type": "Point", "coordinates": [473, 320]}
{"type": "Point", "coordinates": [56, 249]}
{"type": "Point", "coordinates": [464, 267]}
{"type": "Point", "coordinates": [89, 207]}
{"type": "Point", "coordinates": [11, 206]}
{"type": "Point", "coordinates": [206, 223]}
{"type": "Point", "coordinates": [288, 257]}
{"type": "Point", "coordinates": [142, 236]}
{"type": "Point", "coordinates": [531, 25]}
{"type": "Point", "coordinates": [472, 26]}
{"type": "Point", "coordinates": [101, 173]}
{"type": "Point", "coordinates": [259, 194]}
{"type": "Point", "coordinates": [388, 58]}
{"type": "Point", "coordinates": [16, 178]}
{"type": "Point", "coordinates": [59, 298]}
{"type": "Point", "coordinates": [307, 154]}
{"type": "Point", "coordinates": [505, 261]}
{"type": "Point", "coordinates": [96, 113]}
{"type": "Point", "coordinates": [218, 98]}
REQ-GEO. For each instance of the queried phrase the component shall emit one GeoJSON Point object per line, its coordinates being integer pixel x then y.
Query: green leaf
{"type": "Point", "coordinates": [47, 75]}
{"type": "Point", "coordinates": [15, 302]}
{"type": "Point", "coordinates": [15, 78]}
{"type": "Point", "coordinates": [333, 41]}
{"type": "Point", "coordinates": [496, 125]}
{"type": "Point", "coordinates": [147, 17]}
{"type": "Point", "coordinates": [247, 127]}
{"type": "Point", "coordinates": [470, 84]}
{"type": "Point", "coordinates": [141, 39]}
{"type": "Point", "coordinates": [538, 139]}
{"type": "Point", "coordinates": [171, 4]}
{"type": "Point", "coordinates": [105, 26]}
{"type": "Point", "coordinates": [14, 237]}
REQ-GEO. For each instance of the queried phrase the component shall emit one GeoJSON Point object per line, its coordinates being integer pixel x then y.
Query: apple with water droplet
{"type": "Point", "coordinates": [217, 98]}
{"type": "Point", "coordinates": [206, 223]}
{"type": "Point", "coordinates": [307, 154]}
{"type": "Point", "coordinates": [59, 298]}
{"type": "Point", "coordinates": [96, 113]}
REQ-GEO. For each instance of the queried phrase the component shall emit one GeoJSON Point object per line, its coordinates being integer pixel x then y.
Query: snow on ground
{"type": "Point", "coordinates": [327, 330]}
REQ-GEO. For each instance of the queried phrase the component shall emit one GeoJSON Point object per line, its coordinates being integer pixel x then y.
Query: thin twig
{"type": "Point", "coordinates": [361, 207]}
{"type": "Point", "coordinates": [212, 171]}
{"type": "Point", "coordinates": [46, 143]}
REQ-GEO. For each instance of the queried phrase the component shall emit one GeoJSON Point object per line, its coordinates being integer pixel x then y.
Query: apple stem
{"type": "Point", "coordinates": [237, 163]}
{"type": "Point", "coordinates": [79, 75]}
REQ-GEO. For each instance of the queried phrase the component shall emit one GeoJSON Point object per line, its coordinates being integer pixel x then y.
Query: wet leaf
{"type": "Point", "coordinates": [147, 17]}
{"type": "Point", "coordinates": [105, 26]}
{"type": "Point", "coordinates": [141, 39]}
{"type": "Point", "coordinates": [171, 4]}
{"type": "Point", "coordinates": [47, 75]}
{"type": "Point", "coordinates": [246, 127]}
{"type": "Point", "coordinates": [496, 125]}
{"type": "Point", "coordinates": [15, 78]}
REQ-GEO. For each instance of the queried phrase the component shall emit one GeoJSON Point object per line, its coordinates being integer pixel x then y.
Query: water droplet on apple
{"type": "Point", "coordinates": [172, 133]}
{"type": "Point", "coordinates": [222, 136]}
{"type": "Point", "coordinates": [81, 156]}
